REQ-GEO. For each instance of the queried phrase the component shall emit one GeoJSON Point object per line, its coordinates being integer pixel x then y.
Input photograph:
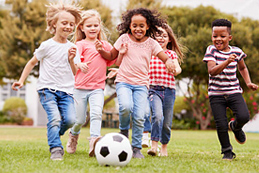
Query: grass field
{"type": "Point", "coordinates": [25, 149]}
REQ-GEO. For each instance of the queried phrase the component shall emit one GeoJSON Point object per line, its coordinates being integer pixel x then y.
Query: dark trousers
{"type": "Point", "coordinates": [219, 106]}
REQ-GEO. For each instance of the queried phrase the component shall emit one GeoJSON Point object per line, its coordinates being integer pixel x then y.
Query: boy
{"type": "Point", "coordinates": [224, 89]}
{"type": "Point", "coordinates": [57, 57]}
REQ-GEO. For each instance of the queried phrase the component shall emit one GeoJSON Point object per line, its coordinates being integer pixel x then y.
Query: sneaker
{"type": "Point", "coordinates": [137, 153]}
{"type": "Point", "coordinates": [239, 134]}
{"type": "Point", "coordinates": [145, 143]}
{"type": "Point", "coordinates": [92, 143]}
{"type": "Point", "coordinates": [72, 143]}
{"type": "Point", "coordinates": [125, 133]}
{"type": "Point", "coordinates": [152, 152]}
{"type": "Point", "coordinates": [56, 153]}
{"type": "Point", "coordinates": [229, 155]}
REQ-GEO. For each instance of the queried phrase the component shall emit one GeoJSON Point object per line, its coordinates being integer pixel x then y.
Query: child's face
{"type": "Point", "coordinates": [220, 38]}
{"type": "Point", "coordinates": [163, 38]}
{"type": "Point", "coordinates": [138, 27]}
{"type": "Point", "coordinates": [65, 24]}
{"type": "Point", "coordinates": [91, 28]}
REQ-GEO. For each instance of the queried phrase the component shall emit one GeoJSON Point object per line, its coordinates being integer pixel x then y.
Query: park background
{"type": "Point", "coordinates": [22, 29]}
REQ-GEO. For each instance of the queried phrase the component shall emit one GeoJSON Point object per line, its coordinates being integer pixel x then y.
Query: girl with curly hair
{"type": "Point", "coordinates": [136, 47]}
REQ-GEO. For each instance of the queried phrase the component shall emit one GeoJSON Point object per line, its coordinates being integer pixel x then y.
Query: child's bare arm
{"type": "Point", "coordinates": [109, 55]}
{"type": "Point", "coordinates": [71, 56]}
{"type": "Point", "coordinates": [215, 69]}
{"type": "Point", "coordinates": [123, 50]}
{"type": "Point", "coordinates": [25, 73]}
{"type": "Point", "coordinates": [245, 74]}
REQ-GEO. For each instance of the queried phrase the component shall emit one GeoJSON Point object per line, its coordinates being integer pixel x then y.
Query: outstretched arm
{"type": "Point", "coordinates": [245, 74]}
{"type": "Point", "coordinates": [25, 73]}
{"type": "Point", "coordinates": [109, 55]}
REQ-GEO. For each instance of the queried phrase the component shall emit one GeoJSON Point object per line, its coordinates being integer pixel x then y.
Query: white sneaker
{"type": "Point", "coordinates": [145, 143]}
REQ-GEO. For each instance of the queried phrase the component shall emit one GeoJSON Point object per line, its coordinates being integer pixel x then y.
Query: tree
{"type": "Point", "coordinates": [23, 29]}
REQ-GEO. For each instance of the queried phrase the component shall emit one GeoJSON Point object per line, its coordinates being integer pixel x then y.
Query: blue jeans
{"type": "Point", "coordinates": [147, 123]}
{"type": "Point", "coordinates": [132, 101]}
{"type": "Point", "coordinates": [219, 106]}
{"type": "Point", "coordinates": [95, 98]}
{"type": "Point", "coordinates": [60, 110]}
{"type": "Point", "coordinates": [161, 100]}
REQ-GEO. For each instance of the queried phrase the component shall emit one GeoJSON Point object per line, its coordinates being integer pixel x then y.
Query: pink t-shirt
{"type": "Point", "coordinates": [96, 76]}
{"type": "Point", "coordinates": [135, 63]}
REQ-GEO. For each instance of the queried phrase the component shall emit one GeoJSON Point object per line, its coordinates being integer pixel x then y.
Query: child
{"type": "Point", "coordinates": [132, 80]}
{"type": "Point", "coordinates": [89, 88]}
{"type": "Point", "coordinates": [147, 128]}
{"type": "Point", "coordinates": [57, 57]}
{"type": "Point", "coordinates": [224, 89]}
{"type": "Point", "coordinates": [162, 91]}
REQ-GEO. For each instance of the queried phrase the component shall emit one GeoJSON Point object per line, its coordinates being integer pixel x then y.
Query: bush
{"type": "Point", "coordinates": [16, 109]}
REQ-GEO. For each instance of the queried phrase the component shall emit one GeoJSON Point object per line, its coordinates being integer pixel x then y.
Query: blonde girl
{"type": "Point", "coordinates": [89, 87]}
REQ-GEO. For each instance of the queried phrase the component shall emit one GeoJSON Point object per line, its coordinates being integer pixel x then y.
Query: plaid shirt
{"type": "Point", "coordinates": [157, 72]}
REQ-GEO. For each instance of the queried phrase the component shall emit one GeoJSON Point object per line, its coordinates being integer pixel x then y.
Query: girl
{"type": "Point", "coordinates": [89, 87]}
{"type": "Point", "coordinates": [57, 57]}
{"type": "Point", "coordinates": [162, 91]}
{"type": "Point", "coordinates": [132, 80]}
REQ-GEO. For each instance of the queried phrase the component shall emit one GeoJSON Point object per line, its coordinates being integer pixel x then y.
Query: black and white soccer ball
{"type": "Point", "coordinates": [113, 149]}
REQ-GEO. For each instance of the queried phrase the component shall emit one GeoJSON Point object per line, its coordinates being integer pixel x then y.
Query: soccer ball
{"type": "Point", "coordinates": [113, 149]}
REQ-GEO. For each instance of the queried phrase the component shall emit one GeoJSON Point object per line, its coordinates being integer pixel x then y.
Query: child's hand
{"type": "Point", "coordinates": [98, 45]}
{"type": "Point", "coordinates": [17, 85]}
{"type": "Point", "coordinates": [252, 86]}
{"type": "Point", "coordinates": [231, 58]}
{"type": "Point", "coordinates": [123, 49]}
{"type": "Point", "coordinates": [170, 66]}
{"type": "Point", "coordinates": [71, 53]}
{"type": "Point", "coordinates": [113, 72]}
{"type": "Point", "coordinates": [83, 66]}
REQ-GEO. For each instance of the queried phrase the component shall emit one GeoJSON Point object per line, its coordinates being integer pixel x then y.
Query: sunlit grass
{"type": "Point", "coordinates": [25, 149]}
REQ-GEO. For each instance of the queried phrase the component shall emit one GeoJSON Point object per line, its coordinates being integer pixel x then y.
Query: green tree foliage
{"type": "Point", "coordinates": [23, 29]}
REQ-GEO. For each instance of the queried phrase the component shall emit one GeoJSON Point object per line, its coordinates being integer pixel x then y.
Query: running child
{"type": "Point", "coordinates": [58, 58]}
{"type": "Point", "coordinates": [224, 89]}
{"type": "Point", "coordinates": [136, 30]}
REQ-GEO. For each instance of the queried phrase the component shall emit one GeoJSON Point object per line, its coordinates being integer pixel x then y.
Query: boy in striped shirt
{"type": "Point", "coordinates": [224, 89]}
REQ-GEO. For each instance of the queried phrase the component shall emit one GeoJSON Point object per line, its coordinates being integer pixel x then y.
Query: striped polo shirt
{"type": "Point", "coordinates": [226, 82]}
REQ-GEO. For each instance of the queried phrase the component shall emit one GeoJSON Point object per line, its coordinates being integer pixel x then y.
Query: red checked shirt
{"type": "Point", "coordinates": [158, 74]}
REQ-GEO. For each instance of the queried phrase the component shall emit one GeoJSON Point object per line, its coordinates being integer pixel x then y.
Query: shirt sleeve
{"type": "Point", "coordinates": [40, 52]}
{"type": "Point", "coordinates": [156, 47]}
{"type": "Point", "coordinates": [118, 42]}
{"type": "Point", "coordinates": [209, 55]}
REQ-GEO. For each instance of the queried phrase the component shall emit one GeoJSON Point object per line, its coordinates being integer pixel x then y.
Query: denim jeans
{"type": "Point", "coordinates": [95, 98]}
{"type": "Point", "coordinates": [161, 100]}
{"type": "Point", "coordinates": [132, 101]}
{"type": "Point", "coordinates": [147, 123]}
{"type": "Point", "coordinates": [239, 108]}
{"type": "Point", "coordinates": [60, 110]}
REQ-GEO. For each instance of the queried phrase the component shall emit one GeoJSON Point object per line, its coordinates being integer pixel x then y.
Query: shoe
{"type": "Point", "coordinates": [125, 133]}
{"type": "Point", "coordinates": [137, 153]}
{"type": "Point", "coordinates": [72, 143]}
{"type": "Point", "coordinates": [145, 143]}
{"type": "Point", "coordinates": [152, 152]}
{"type": "Point", "coordinates": [56, 153]}
{"type": "Point", "coordinates": [92, 143]}
{"type": "Point", "coordinates": [239, 134]}
{"type": "Point", "coordinates": [229, 155]}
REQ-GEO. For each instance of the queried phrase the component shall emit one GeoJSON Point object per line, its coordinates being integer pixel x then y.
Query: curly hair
{"type": "Point", "coordinates": [54, 10]}
{"type": "Point", "coordinates": [222, 22]}
{"type": "Point", "coordinates": [153, 19]}
{"type": "Point", "coordinates": [79, 35]}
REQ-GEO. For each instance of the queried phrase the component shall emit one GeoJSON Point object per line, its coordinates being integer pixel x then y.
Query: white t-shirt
{"type": "Point", "coordinates": [55, 71]}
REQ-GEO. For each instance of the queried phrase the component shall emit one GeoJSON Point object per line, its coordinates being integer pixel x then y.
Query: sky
{"type": "Point", "coordinates": [238, 8]}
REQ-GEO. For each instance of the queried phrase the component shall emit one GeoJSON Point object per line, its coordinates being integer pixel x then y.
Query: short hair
{"type": "Point", "coordinates": [54, 10]}
{"type": "Point", "coordinates": [222, 22]}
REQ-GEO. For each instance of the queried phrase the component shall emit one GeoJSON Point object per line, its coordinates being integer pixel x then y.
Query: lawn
{"type": "Point", "coordinates": [25, 149]}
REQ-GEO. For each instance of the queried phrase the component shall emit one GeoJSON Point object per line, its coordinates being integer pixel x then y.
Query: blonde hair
{"type": "Point", "coordinates": [79, 34]}
{"type": "Point", "coordinates": [174, 44]}
{"type": "Point", "coordinates": [54, 10]}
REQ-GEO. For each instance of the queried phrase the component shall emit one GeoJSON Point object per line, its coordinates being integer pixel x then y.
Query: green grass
{"type": "Point", "coordinates": [25, 149]}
